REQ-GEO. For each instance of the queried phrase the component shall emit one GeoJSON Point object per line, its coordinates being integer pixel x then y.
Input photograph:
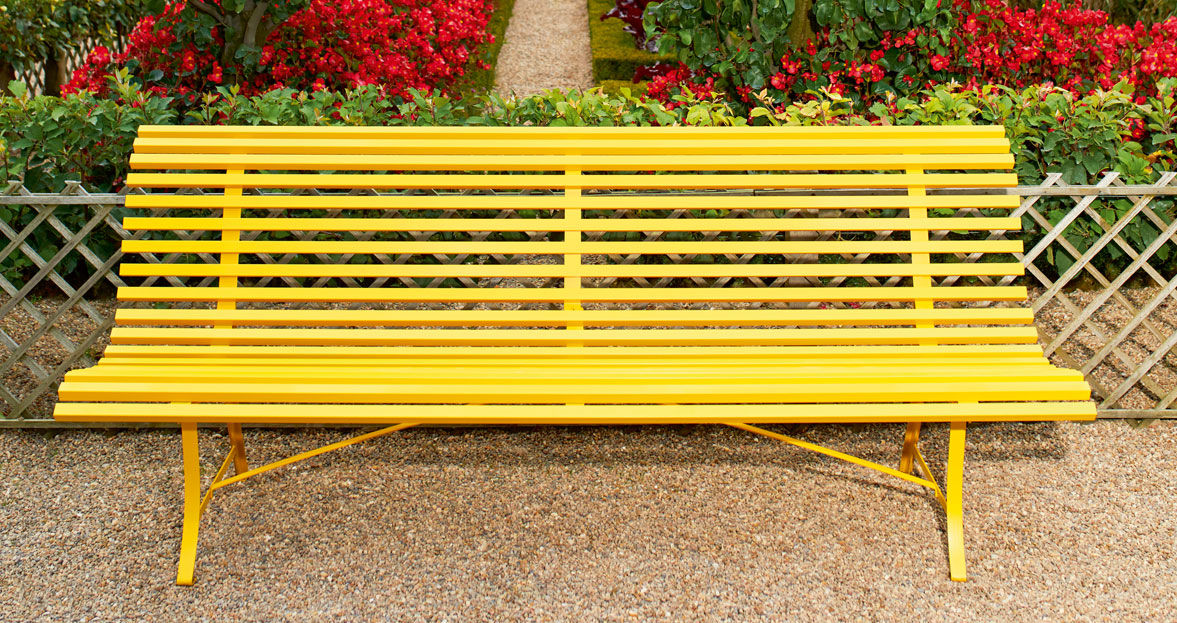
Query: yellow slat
{"type": "Point", "coordinates": [627, 317]}
{"type": "Point", "coordinates": [460, 247]}
{"type": "Point", "coordinates": [460, 161]}
{"type": "Point", "coordinates": [592, 225]}
{"type": "Point", "coordinates": [557, 271]}
{"type": "Point", "coordinates": [534, 181]}
{"type": "Point", "coordinates": [561, 393]}
{"type": "Point", "coordinates": [551, 295]}
{"type": "Point", "coordinates": [323, 354]}
{"type": "Point", "coordinates": [509, 145]}
{"type": "Point", "coordinates": [467, 133]}
{"type": "Point", "coordinates": [623, 375]}
{"type": "Point", "coordinates": [581, 414]}
{"type": "Point", "coordinates": [551, 337]}
{"type": "Point", "coordinates": [556, 202]}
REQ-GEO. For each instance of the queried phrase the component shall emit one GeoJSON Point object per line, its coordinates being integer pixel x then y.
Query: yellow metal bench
{"type": "Point", "coordinates": [496, 282]}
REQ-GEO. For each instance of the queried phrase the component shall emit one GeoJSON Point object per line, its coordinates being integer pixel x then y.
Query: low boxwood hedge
{"type": "Point", "coordinates": [615, 56]}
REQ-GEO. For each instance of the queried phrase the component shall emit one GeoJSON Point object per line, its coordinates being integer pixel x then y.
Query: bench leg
{"type": "Point", "coordinates": [191, 504]}
{"type": "Point", "coordinates": [910, 439]}
{"type": "Point", "coordinates": [237, 441]}
{"type": "Point", "coordinates": [954, 482]}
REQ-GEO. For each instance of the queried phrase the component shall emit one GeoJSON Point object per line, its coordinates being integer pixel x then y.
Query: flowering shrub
{"type": "Point", "coordinates": [326, 44]}
{"type": "Point", "coordinates": [866, 55]}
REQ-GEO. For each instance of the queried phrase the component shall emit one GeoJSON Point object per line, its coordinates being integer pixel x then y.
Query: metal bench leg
{"type": "Point", "coordinates": [954, 482]}
{"type": "Point", "coordinates": [237, 441]}
{"type": "Point", "coordinates": [192, 506]}
{"type": "Point", "coordinates": [910, 439]}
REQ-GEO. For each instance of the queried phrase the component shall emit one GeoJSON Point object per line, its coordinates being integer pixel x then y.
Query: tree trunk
{"type": "Point", "coordinates": [55, 72]}
{"type": "Point", "coordinates": [7, 74]}
{"type": "Point", "coordinates": [801, 29]}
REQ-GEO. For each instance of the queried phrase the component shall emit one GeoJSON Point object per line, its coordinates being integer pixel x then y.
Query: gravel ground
{"type": "Point", "coordinates": [1063, 522]}
{"type": "Point", "coordinates": [546, 47]}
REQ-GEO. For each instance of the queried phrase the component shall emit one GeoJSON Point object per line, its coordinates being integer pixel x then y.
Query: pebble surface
{"type": "Point", "coordinates": [1064, 521]}
{"type": "Point", "coordinates": [546, 46]}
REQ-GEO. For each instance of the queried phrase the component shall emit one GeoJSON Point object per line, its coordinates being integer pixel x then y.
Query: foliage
{"type": "Point", "coordinates": [481, 77]}
{"type": "Point", "coordinates": [1120, 11]}
{"type": "Point", "coordinates": [630, 13]}
{"type": "Point", "coordinates": [31, 30]}
{"type": "Point", "coordinates": [616, 54]}
{"type": "Point", "coordinates": [47, 140]}
{"type": "Point", "coordinates": [867, 48]}
{"type": "Point", "coordinates": [1050, 130]}
{"type": "Point", "coordinates": [744, 42]}
{"type": "Point", "coordinates": [192, 47]}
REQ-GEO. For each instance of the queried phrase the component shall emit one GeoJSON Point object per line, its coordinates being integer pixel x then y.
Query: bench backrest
{"type": "Point", "coordinates": [517, 219]}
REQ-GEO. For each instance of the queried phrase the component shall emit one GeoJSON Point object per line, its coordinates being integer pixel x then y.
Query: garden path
{"type": "Point", "coordinates": [546, 47]}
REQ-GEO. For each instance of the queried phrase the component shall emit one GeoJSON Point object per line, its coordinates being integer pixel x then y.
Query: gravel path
{"type": "Point", "coordinates": [1063, 522]}
{"type": "Point", "coordinates": [546, 47]}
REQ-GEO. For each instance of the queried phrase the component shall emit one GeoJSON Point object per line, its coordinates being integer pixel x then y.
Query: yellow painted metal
{"type": "Point", "coordinates": [550, 337]}
{"type": "Point", "coordinates": [954, 488]}
{"type": "Point", "coordinates": [558, 271]}
{"type": "Point", "coordinates": [554, 295]}
{"type": "Point", "coordinates": [570, 365]}
{"type": "Point", "coordinates": [705, 355]}
{"type": "Point", "coordinates": [594, 318]}
{"type": "Point", "coordinates": [571, 247]}
{"type": "Point", "coordinates": [467, 133]}
{"type": "Point", "coordinates": [911, 438]}
{"type": "Point", "coordinates": [191, 529]}
{"type": "Point", "coordinates": [571, 220]}
{"type": "Point", "coordinates": [237, 442]}
{"type": "Point", "coordinates": [890, 471]}
{"type": "Point", "coordinates": [698, 392]}
{"type": "Point", "coordinates": [217, 484]}
{"type": "Point", "coordinates": [208, 494]}
{"type": "Point", "coordinates": [559, 202]}
{"type": "Point", "coordinates": [621, 374]}
{"type": "Point", "coordinates": [506, 146]}
{"type": "Point", "coordinates": [560, 162]}
{"type": "Point", "coordinates": [534, 181]}
{"type": "Point", "coordinates": [524, 414]}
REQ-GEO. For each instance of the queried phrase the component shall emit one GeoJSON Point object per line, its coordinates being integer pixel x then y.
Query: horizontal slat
{"type": "Point", "coordinates": [628, 317]}
{"type": "Point", "coordinates": [458, 160]}
{"type": "Point", "coordinates": [657, 247]}
{"type": "Point", "coordinates": [322, 355]}
{"type": "Point", "coordinates": [533, 181]}
{"type": "Point", "coordinates": [574, 414]}
{"type": "Point", "coordinates": [557, 202]}
{"type": "Point", "coordinates": [585, 392]}
{"type": "Point", "coordinates": [512, 145]}
{"type": "Point", "coordinates": [555, 337]}
{"type": "Point", "coordinates": [556, 295]}
{"type": "Point", "coordinates": [557, 271]}
{"type": "Point", "coordinates": [467, 133]}
{"type": "Point", "coordinates": [527, 375]}
{"type": "Point", "coordinates": [562, 224]}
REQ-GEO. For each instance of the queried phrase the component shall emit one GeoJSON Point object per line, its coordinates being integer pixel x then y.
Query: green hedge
{"type": "Point", "coordinates": [482, 80]}
{"type": "Point", "coordinates": [615, 56]}
{"type": "Point", "coordinates": [613, 87]}
{"type": "Point", "coordinates": [48, 140]}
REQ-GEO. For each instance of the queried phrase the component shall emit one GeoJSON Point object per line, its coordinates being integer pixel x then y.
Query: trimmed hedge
{"type": "Point", "coordinates": [483, 80]}
{"type": "Point", "coordinates": [615, 56]}
{"type": "Point", "coordinates": [613, 87]}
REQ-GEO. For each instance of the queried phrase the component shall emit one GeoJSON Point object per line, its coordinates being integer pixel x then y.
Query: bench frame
{"type": "Point", "coordinates": [912, 467]}
{"type": "Point", "coordinates": [950, 496]}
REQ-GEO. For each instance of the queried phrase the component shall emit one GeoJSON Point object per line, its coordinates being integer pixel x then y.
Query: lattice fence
{"type": "Point", "coordinates": [1101, 265]}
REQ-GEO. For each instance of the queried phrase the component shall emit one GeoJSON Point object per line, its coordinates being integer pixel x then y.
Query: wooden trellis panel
{"type": "Point", "coordinates": [1119, 329]}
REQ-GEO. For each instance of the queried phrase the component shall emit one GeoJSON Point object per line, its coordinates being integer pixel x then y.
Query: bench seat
{"type": "Point", "coordinates": [736, 276]}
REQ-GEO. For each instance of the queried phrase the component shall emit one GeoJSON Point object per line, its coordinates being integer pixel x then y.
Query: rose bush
{"type": "Point", "coordinates": [193, 47]}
